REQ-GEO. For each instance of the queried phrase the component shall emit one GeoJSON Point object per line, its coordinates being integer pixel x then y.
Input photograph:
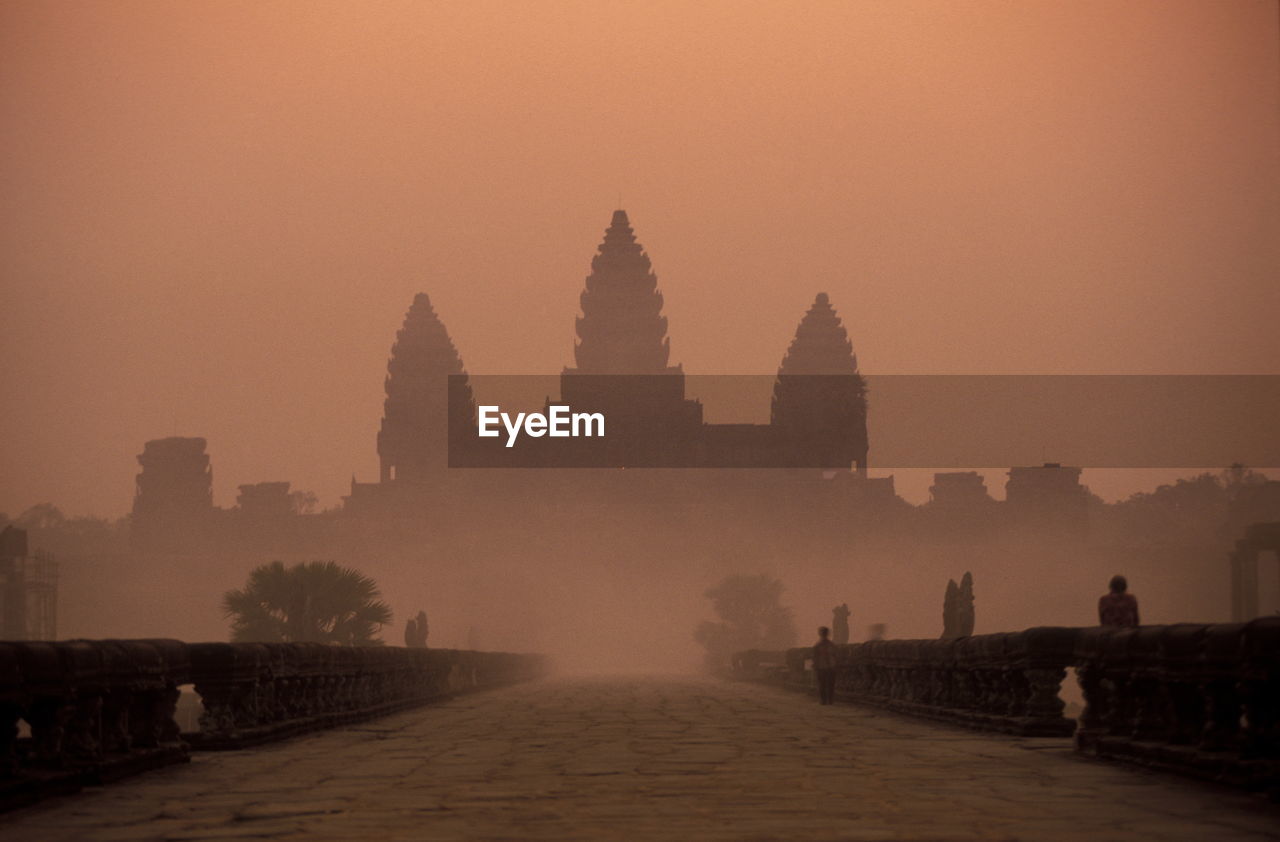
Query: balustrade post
{"type": "Point", "coordinates": [176, 660]}
{"type": "Point", "coordinates": [1118, 675]}
{"type": "Point", "coordinates": [14, 698]}
{"type": "Point", "coordinates": [1180, 660]}
{"type": "Point", "coordinates": [1089, 656]}
{"type": "Point", "coordinates": [1151, 702]}
{"type": "Point", "coordinates": [1260, 691]}
{"type": "Point", "coordinates": [139, 688]}
{"type": "Point", "coordinates": [51, 700]}
{"type": "Point", "coordinates": [1219, 685]}
{"type": "Point", "coordinates": [85, 670]}
{"type": "Point", "coordinates": [226, 676]}
{"type": "Point", "coordinates": [1044, 654]}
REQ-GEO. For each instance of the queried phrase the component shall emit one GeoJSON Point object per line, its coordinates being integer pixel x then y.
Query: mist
{"type": "Point", "coordinates": [214, 216]}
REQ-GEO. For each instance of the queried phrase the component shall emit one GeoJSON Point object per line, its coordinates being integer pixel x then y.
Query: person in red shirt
{"type": "Point", "coordinates": [1118, 608]}
{"type": "Point", "coordinates": [824, 666]}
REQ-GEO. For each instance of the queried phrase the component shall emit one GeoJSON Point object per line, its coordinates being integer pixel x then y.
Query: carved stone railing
{"type": "Point", "coordinates": [997, 682]}
{"type": "Point", "coordinates": [1199, 699]}
{"type": "Point", "coordinates": [262, 691]}
{"type": "Point", "coordinates": [98, 710]}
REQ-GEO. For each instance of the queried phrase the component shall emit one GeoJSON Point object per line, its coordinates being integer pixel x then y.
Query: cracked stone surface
{"type": "Point", "coordinates": [637, 758]}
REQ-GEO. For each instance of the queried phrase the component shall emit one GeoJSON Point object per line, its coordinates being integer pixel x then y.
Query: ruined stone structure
{"type": "Point", "coordinates": [28, 589]}
{"type": "Point", "coordinates": [1047, 499]}
{"type": "Point", "coordinates": [960, 509]}
{"type": "Point", "coordinates": [174, 498]}
{"type": "Point", "coordinates": [1253, 503]}
{"type": "Point", "coordinates": [959, 490]}
{"type": "Point", "coordinates": [1260, 545]}
{"type": "Point", "coordinates": [176, 479]}
{"type": "Point", "coordinates": [266, 501]}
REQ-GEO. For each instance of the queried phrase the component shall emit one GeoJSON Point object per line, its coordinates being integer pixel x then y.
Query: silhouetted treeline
{"type": "Point", "coordinates": [1207, 508]}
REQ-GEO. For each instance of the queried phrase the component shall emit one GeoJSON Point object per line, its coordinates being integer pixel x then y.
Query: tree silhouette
{"type": "Point", "coordinates": [751, 617]}
{"type": "Point", "coordinates": [316, 601]}
{"type": "Point", "coordinates": [42, 516]}
{"type": "Point", "coordinates": [304, 502]}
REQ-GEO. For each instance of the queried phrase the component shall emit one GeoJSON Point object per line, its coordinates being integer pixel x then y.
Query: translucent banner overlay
{"type": "Point", "coordinates": [910, 421]}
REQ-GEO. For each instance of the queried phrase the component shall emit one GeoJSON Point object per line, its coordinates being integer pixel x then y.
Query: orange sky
{"type": "Point", "coordinates": [214, 215]}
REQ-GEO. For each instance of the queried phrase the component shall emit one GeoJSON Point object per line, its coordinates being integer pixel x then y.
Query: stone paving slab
{"type": "Point", "coordinates": [636, 758]}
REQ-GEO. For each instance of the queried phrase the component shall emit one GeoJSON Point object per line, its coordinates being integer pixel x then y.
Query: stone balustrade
{"type": "Point", "coordinates": [997, 682]}
{"type": "Point", "coordinates": [1194, 698]}
{"type": "Point", "coordinates": [253, 692]}
{"type": "Point", "coordinates": [98, 710]}
{"type": "Point", "coordinates": [1199, 699]}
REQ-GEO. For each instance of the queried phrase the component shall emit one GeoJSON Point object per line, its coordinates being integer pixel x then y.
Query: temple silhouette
{"type": "Point", "coordinates": [812, 455]}
{"type": "Point", "coordinates": [623, 369]}
{"type": "Point", "coordinates": [622, 356]}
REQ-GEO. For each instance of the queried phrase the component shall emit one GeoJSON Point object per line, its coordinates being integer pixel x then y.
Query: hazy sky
{"type": "Point", "coordinates": [214, 215]}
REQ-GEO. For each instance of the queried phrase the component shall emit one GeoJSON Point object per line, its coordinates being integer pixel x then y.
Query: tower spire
{"type": "Point", "coordinates": [819, 394]}
{"type": "Point", "coordinates": [412, 440]}
{"type": "Point", "coordinates": [621, 329]}
{"type": "Point", "coordinates": [821, 344]}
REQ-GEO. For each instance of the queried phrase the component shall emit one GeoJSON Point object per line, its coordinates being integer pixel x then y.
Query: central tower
{"type": "Point", "coordinates": [622, 354]}
{"type": "Point", "coordinates": [621, 329]}
{"type": "Point", "coordinates": [819, 398]}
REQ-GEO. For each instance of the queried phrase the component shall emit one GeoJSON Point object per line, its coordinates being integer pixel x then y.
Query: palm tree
{"type": "Point", "coordinates": [316, 601]}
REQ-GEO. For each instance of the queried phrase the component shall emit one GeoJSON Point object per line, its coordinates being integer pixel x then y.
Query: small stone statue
{"type": "Point", "coordinates": [957, 608]}
{"type": "Point", "coordinates": [415, 632]}
{"type": "Point", "coordinates": [949, 610]}
{"type": "Point", "coordinates": [964, 607]}
{"type": "Point", "coordinates": [840, 624]}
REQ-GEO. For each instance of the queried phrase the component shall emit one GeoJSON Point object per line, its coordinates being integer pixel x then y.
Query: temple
{"type": "Point", "coordinates": [818, 412]}
{"type": "Point", "coordinates": [790, 483]}
{"type": "Point", "coordinates": [817, 427]}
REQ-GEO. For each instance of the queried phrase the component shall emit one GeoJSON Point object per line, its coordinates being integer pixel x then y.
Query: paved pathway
{"type": "Point", "coordinates": [649, 759]}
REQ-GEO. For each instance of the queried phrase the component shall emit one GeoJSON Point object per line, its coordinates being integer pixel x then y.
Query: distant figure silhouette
{"type": "Point", "coordinates": [824, 666]}
{"type": "Point", "coordinates": [840, 623]}
{"type": "Point", "coordinates": [1118, 608]}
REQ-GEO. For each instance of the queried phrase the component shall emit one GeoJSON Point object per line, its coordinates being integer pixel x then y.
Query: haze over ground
{"type": "Point", "coordinates": [214, 216]}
